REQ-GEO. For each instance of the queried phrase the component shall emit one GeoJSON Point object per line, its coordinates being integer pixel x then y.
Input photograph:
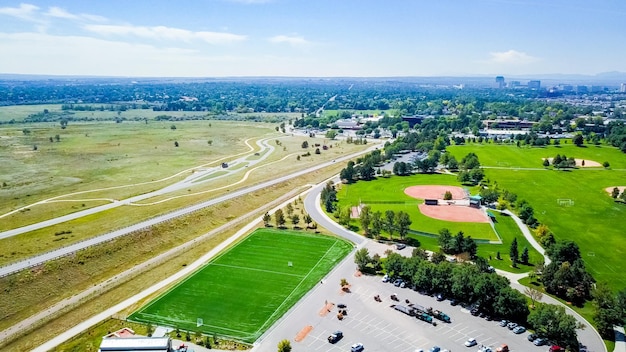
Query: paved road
{"type": "Point", "coordinates": [588, 336]}
{"type": "Point", "coordinates": [40, 259]}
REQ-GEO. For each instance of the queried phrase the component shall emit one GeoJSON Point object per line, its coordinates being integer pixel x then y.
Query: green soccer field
{"type": "Point", "coordinates": [242, 292]}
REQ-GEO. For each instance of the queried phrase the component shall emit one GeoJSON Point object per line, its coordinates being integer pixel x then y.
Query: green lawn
{"type": "Point", "coordinates": [594, 222]}
{"type": "Point", "coordinates": [245, 290]}
{"type": "Point", "coordinates": [392, 190]}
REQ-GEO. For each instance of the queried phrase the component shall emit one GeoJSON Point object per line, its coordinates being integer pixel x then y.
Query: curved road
{"type": "Point", "coordinates": [588, 336]}
{"type": "Point", "coordinates": [42, 258]}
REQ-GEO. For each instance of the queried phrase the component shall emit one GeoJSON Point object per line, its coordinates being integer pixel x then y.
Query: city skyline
{"type": "Point", "coordinates": [220, 38]}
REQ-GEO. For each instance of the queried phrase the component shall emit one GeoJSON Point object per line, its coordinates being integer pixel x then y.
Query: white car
{"type": "Point", "coordinates": [386, 278]}
{"type": "Point", "coordinates": [470, 342]}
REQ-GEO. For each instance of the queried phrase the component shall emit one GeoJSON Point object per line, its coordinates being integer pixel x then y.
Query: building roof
{"type": "Point", "coordinates": [136, 344]}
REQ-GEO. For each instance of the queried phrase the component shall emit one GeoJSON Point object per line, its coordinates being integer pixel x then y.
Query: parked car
{"type": "Point", "coordinates": [454, 302]}
{"type": "Point", "coordinates": [484, 349]}
{"type": "Point", "coordinates": [540, 341]}
{"type": "Point", "coordinates": [357, 347]}
{"type": "Point", "coordinates": [400, 246]}
{"type": "Point", "coordinates": [471, 342]}
{"type": "Point", "coordinates": [386, 278]}
{"type": "Point", "coordinates": [435, 349]}
{"type": "Point", "coordinates": [532, 337]}
{"type": "Point", "coordinates": [555, 348]}
{"type": "Point", "coordinates": [397, 282]}
{"type": "Point", "coordinates": [503, 348]}
{"type": "Point", "coordinates": [335, 336]}
{"type": "Point", "coordinates": [511, 325]}
{"type": "Point", "coordinates": [439, 297]}
{"type": "Point", "coordinates": [341, 305]}
{"type": "Point", "coordinates": [519, 329]}
{"type": "Point", "coordinates": [474, 311]}
{"type": "Point", "coordinates": [402, 284]}
{"type": "Point", "coordinates": [503, 322]}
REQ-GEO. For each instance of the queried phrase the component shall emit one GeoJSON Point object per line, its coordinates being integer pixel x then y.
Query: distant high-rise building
{"type": "Point", "coordinates": [500, 81]}
{"type": "Point", "coordinates": [514, 84]}
{"type": "Point", "coordinates": [567, 87]}
{"type": "Point", "coordinates": [534, 84]}
{"type": "Point", "coordinates": [622, 88]}
{"type": "Point", "coordinates": [582, 89]}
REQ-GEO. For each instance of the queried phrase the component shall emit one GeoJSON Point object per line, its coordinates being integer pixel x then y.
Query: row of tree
{"type": "Point", "coordinates": [374, 222]}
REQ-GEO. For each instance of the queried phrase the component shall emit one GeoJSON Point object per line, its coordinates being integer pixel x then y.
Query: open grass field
{"type": "Point", "coordinates": [247, 288]}
{"type": "Point", "coordinates": [496, 155]}
{"type": "Point", "coordinates": [594, 221]}
{"type": "Point", "coordinates": [105, 154]}
{"type": "Point", "coordinates": [392, 190]}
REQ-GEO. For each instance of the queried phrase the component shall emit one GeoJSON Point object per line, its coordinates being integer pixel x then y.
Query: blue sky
{"type": "Point", "coordinates": [361, 38]}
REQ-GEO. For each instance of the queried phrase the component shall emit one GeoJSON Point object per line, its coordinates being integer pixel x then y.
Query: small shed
{"type": "Point", "coordinates": [152, 344]}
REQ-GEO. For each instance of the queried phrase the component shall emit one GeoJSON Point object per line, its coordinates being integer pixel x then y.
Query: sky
{"type": "Point", "coordinates": [312, 38]}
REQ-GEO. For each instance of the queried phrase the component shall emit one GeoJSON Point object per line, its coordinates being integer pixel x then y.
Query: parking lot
{"type": "Point", "coordinates": [380, 327]}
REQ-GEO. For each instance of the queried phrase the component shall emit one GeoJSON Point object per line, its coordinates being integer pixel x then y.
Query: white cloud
{"type": "Point", "coordinates": [292, 40]}
{"type": "Point", "coordinates": [166, 33]}
{"type": "Point", "coordinates": [25, 12]}
{"type": "Point", "coordinates": [511, 57]}
{"type": "Point", "coordinates": [62, 13]}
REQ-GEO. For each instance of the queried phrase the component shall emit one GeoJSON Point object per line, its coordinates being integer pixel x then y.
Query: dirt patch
{"type": "Point", "coordinates": [609, 190]}
{"type": "Point", "coordinates": [579, 162]}
{"type": "Point", "coordinates": [303, 333]}
{"type": "Point", "coordinates": [434, 192]}
{"type": "Point", "coordinates": [454, 213]}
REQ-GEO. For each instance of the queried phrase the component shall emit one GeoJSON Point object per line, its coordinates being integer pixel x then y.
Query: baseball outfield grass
{"type": "Point", "coordinates": [242, 292]}
{"type": "Point", "coordinates": [593, 220]}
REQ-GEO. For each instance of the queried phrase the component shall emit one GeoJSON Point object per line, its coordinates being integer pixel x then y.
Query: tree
{"type": "Point", "coordinates": [524, 257]}
{"type": "Point", "coordinates": [289, 209]}
{"type": "Point", "coordinates": [295, 219]}
{"type": "Point", "coordinates": [390, 218]}
{"type": "Point", "coordinates": [377, 224]}
{"type": "Point", "coordinates": [606, 312]}
{"type": "Point", "coordinates": [266, 219]}
{"type": "Point", "coordinates": [366, 219]}
{"type": "Point", "coordinates": [552, 322]}
{"type": "Point", "coordinates": [447, 195]}
{"type": "Point", "coordinates": [546, 162]}
{"type": "Point", "coordinates": [176, 144]}
{"type": "Point", "coordinates": [362, 258]}
{"type": "Point", "coordinates": [173, 127]}
{"type": "Point", "coordinates": [305, 144]}
{"type": "Point", "coordinates": [606, 164]}
{"type": "Point", "coordinates": [317, 151]}
{"type": "Point", "coordinates": [284, 345]}
{"type": "Point", "coordinates": [343, 282]}
{"type": "Point", "coordinates": [578, 140]}
{"type": "Point", "coordinates": [534, 294]}
{"type": "Point", "coordinates": [279, 218]}
{"type": "Point", "coordinates": [513, 252]}
{"type": "Point", "coordinates": [403, 221]}
{"type": "Point", "coordinates": [615, 192]}
{"type": "Point", "coordinates": [331, 134]}
{"type": "Point", "coordinates": [308, 220]}
{"type": "Point", "coordinates": [445, 240]}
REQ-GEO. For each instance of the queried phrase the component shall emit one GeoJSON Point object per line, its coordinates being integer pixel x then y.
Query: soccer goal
{"type": "Point", "coordinates": [199, 322]}
{"type": "Point", "coordinates": [565, 202]}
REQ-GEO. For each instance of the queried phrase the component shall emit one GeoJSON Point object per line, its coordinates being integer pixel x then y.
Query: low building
{"type": "Point", "coordinates": [135, 343]}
